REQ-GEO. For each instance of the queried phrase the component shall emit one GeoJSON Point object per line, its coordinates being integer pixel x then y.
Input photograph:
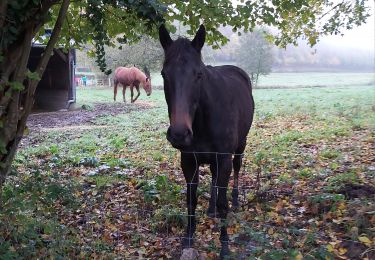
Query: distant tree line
{"type": "Point", "coordinates": [251, 51]}
{"type": "Point", "coordinates": [146, 54]}
{"type": "Point", "coordinates": [323, 58]}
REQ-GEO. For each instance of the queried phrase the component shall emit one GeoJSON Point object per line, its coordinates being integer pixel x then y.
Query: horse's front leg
{"type": "Point", "coordinates": [132, 93]}
{"type": "Point", "coordinates": [212, 212]}
{"type": "Point", "coordinates": [123, 93]}
{"type": "Point", "coordinates": [224, 169]}
{"type": "Point", "coordinates": [190, 169]}
{"type": "Point", "coordinates": [138, 93]}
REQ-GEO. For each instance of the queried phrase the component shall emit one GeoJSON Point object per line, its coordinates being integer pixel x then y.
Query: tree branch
{"type": "Point", "coordinates": [13, 51]}
{"type": "Point", "coordinates": [330, 10]}
{"type": "Point", "coordinates": [44, 61]}
{"type": "Point", "coordinates": [54, 38]}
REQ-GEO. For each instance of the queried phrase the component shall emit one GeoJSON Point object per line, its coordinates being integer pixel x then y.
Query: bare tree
{"type": "Point", "coordinates": [147, 54]}
{"type": "Point", "coordinates": [255, 55]}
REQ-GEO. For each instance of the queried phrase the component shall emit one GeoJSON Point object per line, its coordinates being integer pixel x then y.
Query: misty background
{"type": "Point", "coordinates": [351, 52]}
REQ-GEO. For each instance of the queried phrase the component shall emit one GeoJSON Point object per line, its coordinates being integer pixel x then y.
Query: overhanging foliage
{"type": "Point", "coordinates": [99, 22]}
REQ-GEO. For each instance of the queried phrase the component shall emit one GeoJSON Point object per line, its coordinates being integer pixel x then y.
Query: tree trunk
{"type": "Point", "coordinates": [3, 9]}
{"type": "Point", "coordinates": [15, 104]}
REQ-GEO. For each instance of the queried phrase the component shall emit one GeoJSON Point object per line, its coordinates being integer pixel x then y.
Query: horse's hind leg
{"type": "Point", "coordinates": [190, 169]}
{"type": "Point", "coordinates": [123, 93]}
{"type": "Point", "coordinates": [224, 170]}
{"type": "Point", "coordinates": [211, 211]}
{"type": "Point", "coordinates": [138, 93]}
{"type": "Point", "coordinates": [237, 161]}
{"type": "Point", "coordinates": [115, 90]}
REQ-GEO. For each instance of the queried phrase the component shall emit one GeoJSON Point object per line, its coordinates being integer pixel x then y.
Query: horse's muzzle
{"type": "Point", "coordinates": [179, 137]}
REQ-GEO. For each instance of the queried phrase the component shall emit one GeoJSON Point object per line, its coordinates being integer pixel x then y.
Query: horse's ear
{"type": "Point", "coordinates": [199, 38]}
{"type": "Point", "coordinates": [164, 37]}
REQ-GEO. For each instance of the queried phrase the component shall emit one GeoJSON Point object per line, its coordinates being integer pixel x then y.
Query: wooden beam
{"type": "Point", "coordinates": [62, 55]}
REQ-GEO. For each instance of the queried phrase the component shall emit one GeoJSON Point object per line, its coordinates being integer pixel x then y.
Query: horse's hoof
{"type": "Point", "coordinates": [189, 254]}
{"type": "Point", "coordinates": [187, 242]}
{"type": "Point", "coordinates": [235, 208]}
{"type": "Point", "coordinates": [224, 252]}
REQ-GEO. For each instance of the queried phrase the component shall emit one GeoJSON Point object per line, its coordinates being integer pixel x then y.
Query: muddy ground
{"type": "Point", "coordinates": [82, 116]}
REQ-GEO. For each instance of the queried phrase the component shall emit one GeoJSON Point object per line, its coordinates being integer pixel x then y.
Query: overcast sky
{"type": "Point", "coordinates": [362, 37]}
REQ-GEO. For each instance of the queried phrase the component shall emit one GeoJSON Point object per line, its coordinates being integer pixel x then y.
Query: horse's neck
{"type": "Point", "coordinates": [208, 102]}
{"type": "Point", "coordinates": [209, 93]}
{"type": "Point", "coordinates": [140, 77]}
{"type": "Point", "coordinates": [205, 106]}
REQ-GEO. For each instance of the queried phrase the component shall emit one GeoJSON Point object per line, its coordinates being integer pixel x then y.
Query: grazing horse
{"type": "Point", "coordinates": [210, 112]}
{"type": "Point", "coordinates": [131, 77]}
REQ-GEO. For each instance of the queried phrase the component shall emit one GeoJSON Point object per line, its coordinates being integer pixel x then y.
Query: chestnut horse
{"type": "Point", "coordinates": [210, 112]}
{"type": "Point", "coordinates": [131, 77]}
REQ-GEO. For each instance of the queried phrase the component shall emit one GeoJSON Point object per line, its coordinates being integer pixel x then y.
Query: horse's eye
{"type": "Point", "coordinates": [199, 75]}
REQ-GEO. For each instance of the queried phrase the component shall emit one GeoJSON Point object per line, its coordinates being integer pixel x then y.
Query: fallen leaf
{"type": "Point", "coordinates": [342, 251]}
{"type": "Point", "coordinates": [299, 256]}
{"type": "Point", "coordinates": [365, 240]}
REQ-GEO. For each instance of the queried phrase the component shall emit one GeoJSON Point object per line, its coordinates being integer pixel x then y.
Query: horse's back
{"type": "Point", "coordinates": [231, 70]}
{"type": "Point", "coordinates": [234, 82]}
{"type": "Point", "coordinates": [125, 75]}
{"type": "Point", "coordinates": [231, 87]}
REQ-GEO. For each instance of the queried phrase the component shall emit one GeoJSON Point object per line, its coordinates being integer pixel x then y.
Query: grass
{"type": "Point", "coordinates": [314, 79]}
{"type": "Point", "coordinates": [307, 143]}
{"type": "Point", "coordinates": [309, 79]}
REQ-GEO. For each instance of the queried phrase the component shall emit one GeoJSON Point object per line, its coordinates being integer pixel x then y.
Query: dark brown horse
{"type": "Point", "coordinates": [210, 111]}
{"type": "Point", "coordinates": [131, 77]}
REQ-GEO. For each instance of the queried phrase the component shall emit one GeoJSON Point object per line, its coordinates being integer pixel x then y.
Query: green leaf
{"type": "Point", "coordinates": [32, 75]}
{"type": "Point", "coordinates": [17, 86]}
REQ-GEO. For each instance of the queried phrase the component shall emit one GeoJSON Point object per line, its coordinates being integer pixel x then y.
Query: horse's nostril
{"type": "Point", "coordinates": [188, 133]}
{"type": "Point", "coordinates": [179, 136]}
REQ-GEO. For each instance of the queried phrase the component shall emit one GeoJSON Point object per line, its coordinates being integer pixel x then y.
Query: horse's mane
{"type": "Point", "coordinates": [182, 48]}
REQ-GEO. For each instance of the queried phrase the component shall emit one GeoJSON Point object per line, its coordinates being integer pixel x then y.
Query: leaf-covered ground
{"type": "Point", "coordinates": [102, 182]}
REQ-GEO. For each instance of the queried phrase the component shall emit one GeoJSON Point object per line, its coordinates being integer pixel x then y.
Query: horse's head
{"type": "Point", "coordinates": [147, 85]}
{"type": "Point", "coordinates": [182, 73]}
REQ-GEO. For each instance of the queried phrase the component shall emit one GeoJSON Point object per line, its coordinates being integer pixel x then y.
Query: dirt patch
{"type": "Point", "coordinates": [356, 250]}
{"type": "Point", "coordinates": [81, 117]}
{"type": "Point", "coordinates": [352, 191]}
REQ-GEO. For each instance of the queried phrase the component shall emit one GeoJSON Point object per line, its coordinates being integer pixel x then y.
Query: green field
{"type": "Point", "coordinates": [108, 184]}
{"type": "Point", "coordinates": [307, 79]}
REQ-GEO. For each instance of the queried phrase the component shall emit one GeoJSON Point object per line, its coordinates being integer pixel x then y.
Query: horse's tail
{"type": "Point", "coordinates": [115, 81]}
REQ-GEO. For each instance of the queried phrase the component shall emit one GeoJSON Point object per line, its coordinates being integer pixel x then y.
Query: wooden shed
{"type": "Point", "coordinates": [57, 88]}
